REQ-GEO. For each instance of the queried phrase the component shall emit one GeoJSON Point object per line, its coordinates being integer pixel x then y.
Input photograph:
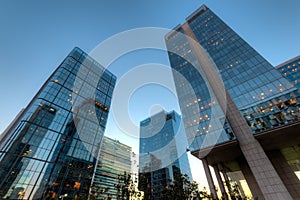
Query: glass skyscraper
{"type": "Point", "coordinates": [232, 95]}
{"type": "Point", "coordinates": [160, 160]}
{"type": "Point", "coordinates": [253, 83]}
{"type": "Point", "coordinates": [114, 161]}
{"type": "Point", "coordinates": [291, 70]}
{"type": "Point", "coordinates": [51, 151]}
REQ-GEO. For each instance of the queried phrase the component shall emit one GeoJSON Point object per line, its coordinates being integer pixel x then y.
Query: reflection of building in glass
{"type": "Point", "coordinates": [52, 150]}
{"type": "Point", "coordinates": [44, 115]}
{"type": "Point", "coordinates": [161, 160]}
{"type": "Point", "coordinates": [5, 134]}
{"type": "Point", "coordinates": [234, 120]}
{"type": "Point", "coordinates": [291, 70]}
{"type": "Point", "coordinates": [114, 161]}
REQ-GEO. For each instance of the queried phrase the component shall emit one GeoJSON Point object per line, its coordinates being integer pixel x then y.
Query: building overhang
{"type": "Point", "coordinates": [280, 137]}
{"type": "Point", "coordinates": [219, 153]}
{"type": "Point", "coordinates": [276, 138]}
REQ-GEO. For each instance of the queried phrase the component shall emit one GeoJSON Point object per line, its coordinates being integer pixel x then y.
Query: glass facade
{"type": "Point", "coordinates": [114, 160]}
{"type": "Point", "coordinates": [196, 111]}
{"type": "Point", "coordinates": [261, 93]}
{"type": "Point", "coordinates": [292, 156]}
{"type": "Point", "coordinates": [52, 151]}
{"type": "Point", "coordinates": [291, 70]}
{"type": "Point", "coordinates": [160, 161]}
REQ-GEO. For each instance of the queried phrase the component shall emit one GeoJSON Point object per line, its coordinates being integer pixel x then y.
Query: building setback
{"type": "Point", "coordinates": [114, 162]}
{"type": "Point", "coordinates": [239, 100]}
{"type": "Point", "coordinates": [160, 161]}
{"type": "Point", "coordinates": [51, 151]}
{"type": "Point", "coordinates": [291, 70]}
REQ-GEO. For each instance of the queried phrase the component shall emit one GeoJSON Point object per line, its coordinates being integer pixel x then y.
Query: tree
{"type": "Point", "coordinates": [181, 188]}
{"type": "Point", "coordinates": [126, 188]}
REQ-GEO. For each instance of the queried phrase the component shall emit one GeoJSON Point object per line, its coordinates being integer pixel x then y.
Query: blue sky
{"type": "Point", "coordinates": [35, 37]}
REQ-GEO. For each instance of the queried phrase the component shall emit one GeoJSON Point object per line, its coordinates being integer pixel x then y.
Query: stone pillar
{"type": "Point", "coordinates": [209, 179]}
{"type": "Point", "coordinates": [286, 173]}
{"type": "Point", "coordinates": [220, 182]}
{"type": "Point", "coordinates": [254, 187]}
{"type": "Point", "coordinates": [227, 181]}
{"type": "Point", "coordinates": [266, 176]}
{"type": "Point", "coordinates": [241, 189]}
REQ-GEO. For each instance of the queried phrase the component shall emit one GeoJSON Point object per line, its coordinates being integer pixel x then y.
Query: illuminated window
{"type": "Point", "coordinates": [77, 185]}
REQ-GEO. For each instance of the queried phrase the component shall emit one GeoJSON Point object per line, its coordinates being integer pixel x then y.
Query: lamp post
{"type": "Point", "coordinates": [62, 196]}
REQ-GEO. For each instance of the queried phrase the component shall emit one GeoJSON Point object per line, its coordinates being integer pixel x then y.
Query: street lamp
{"type": "Point", "coordinates": [62, 196]}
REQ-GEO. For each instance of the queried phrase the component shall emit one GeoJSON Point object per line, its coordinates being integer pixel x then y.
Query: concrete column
{"type": "Point", "coordinates": [209, 179]}
{"type": "Point", "coordinates": [228, 184]}
{"type": "Point", "coordinates": [241, 189]}
{"type": "Point", "coordinates": [220, 182]}
{"type": "Point", "coordinates": [254, 187]}
{"type": "Point", "coordinates": [286, 173]}
{"type": "Point", "coordinates": [266, 176]}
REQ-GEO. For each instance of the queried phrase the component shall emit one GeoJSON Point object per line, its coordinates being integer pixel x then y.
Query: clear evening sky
{"type": "Point", "coordinates": [36, 36]}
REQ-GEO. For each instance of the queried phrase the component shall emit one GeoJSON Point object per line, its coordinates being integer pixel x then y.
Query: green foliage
{"type": "Point", "coordinates": [183, 189]}
{"type": "Point", "coordinates": [126, 188]}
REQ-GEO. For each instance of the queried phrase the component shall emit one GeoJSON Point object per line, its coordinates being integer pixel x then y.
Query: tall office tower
{"type": "Point", "coordinates": [51, 151]}
{"type": "Point", "coordinates": [237, 100]}
{"type": "Point", "coordinates": [291, 70]}
{"type": "Point", "coordinates": [160, 160]}
{"type": "Point", "coordinates": [114, 162]}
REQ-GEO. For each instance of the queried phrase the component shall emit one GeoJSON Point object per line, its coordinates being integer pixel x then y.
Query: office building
{"type": "Point", "coordinates": [51, 151]}
{"type": "Point", "coordinates": [161, 161]}
{"type": "Point", "coordinates": [114, 162]}
{"type": "Point", "coordinates": [291, 70]}
{"type": "Point", "coordinates": [241, 114]}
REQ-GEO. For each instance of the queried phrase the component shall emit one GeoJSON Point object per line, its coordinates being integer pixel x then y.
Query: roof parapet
{"type": "Point", "coordinates": [288, 61]}
{"type": "Point", "coordinates": [197, 12]}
